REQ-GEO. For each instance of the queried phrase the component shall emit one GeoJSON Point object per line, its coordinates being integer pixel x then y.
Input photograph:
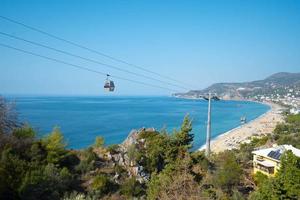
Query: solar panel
{"type": "Point", "coordinates": [275, 154]}
{"type": "Point", "coordinates": [271, 153]}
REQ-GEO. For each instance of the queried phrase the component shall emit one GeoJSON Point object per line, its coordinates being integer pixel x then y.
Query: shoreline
{"type": "Point", "coordinates": [260, 126]}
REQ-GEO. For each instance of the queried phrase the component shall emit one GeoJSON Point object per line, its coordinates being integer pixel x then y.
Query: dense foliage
{"type": "Point", "coordinates": [43, 168]}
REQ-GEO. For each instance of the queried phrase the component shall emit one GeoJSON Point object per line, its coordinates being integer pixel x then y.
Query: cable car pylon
{"type": "Point", "coordinates": [208, 128]}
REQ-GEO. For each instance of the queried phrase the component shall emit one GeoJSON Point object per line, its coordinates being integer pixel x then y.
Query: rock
{"type": "Point", "coordinates": [131, 139]}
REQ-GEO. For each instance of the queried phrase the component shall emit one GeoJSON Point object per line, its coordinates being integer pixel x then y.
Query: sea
{"type": "Point", "coordinates": [82, 118]}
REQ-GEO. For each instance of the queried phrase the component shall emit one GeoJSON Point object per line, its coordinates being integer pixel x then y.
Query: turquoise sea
{"type": "Point", "coordinates": [81, 119]}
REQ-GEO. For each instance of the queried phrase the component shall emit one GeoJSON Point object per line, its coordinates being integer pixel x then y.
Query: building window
{"type": "Point", "coordinates": [269, 170]}
{"type": "Point", "coordinates": [260, 158]}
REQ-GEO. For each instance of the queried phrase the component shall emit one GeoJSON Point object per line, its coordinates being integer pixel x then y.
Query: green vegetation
{"type": "Point", "coordinates": [288, 132]}
{"type": "Point", "coordinates": [32, 168]}
{"type": "Point", "coordinates": [99, 142]}
{"type": "Point", "coordinates": [43, 168]}
{"type": "Point", "coordinates": [101, 184]}
{"type": "Point", "coordinates": [132, 188]}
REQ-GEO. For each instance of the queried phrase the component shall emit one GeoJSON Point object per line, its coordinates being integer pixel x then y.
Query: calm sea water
{"type": "Point", "coordinates": [81, 119]}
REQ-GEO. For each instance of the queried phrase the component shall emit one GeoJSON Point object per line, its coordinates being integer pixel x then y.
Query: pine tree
{"type": "Point", "coordinates": [184, 137]}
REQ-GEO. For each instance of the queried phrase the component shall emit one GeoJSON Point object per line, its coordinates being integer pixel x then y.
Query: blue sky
{"type": "Point", "coordinates": [197, 42]}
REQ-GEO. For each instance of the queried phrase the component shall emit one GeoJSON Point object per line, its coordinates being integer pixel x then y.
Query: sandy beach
{"type": "Point", "coordinates": [262, 125]}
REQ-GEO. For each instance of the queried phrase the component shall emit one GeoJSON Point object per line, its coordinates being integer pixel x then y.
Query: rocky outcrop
{"type": "Point", "coordinates": [133, 137]}
{"type": "Point", "coordinates": [120, 155]}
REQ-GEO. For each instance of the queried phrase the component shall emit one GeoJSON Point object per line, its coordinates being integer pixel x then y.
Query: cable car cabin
{"type": "Point", "coordinates": [109, 86]}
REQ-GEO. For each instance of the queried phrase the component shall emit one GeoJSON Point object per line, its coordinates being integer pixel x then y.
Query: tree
{"type": "Point", "coordinates": [153, 155]}
{"type": "Point", "coordinates": [12, 170]}
{"type": "Point", "coordinates": [8, 117]}
{"type": "Point", "coordinates": [244, 154]}
{"type": "Point", "coordinates": [38, 152]}
{"type": "Point", "coordinates": [55, 146]}
{"type": "Point", "coordinates": [265, 191]}
{"type": "Point", "coordinates": [179, 142]}
{"type": "Point", "coordinates": [174, 182]}
{"type": "Point", "coordinates": [288, 177]}
{"type": "Point", "coordinates": [228, 173]}
{"type": "Point", "coordinates": [184, 137]}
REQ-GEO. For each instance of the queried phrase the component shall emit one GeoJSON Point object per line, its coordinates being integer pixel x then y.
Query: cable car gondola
{"type": "Point", "coordinates": [109, 85]}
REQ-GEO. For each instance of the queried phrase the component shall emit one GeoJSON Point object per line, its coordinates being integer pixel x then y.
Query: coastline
{"type": "Point", "coordinates": [260, 126]}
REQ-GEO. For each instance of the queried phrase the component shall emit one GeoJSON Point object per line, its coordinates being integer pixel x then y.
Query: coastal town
{"type": "Point", "coordinates": [288, 96]}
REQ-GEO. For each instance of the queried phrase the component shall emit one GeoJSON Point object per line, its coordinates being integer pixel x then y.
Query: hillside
{"type": "Point", "coordinates": [279, 84]}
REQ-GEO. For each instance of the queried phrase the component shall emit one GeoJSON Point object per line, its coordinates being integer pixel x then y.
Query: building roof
{"type": "Point", "coordinates": [276, 152]}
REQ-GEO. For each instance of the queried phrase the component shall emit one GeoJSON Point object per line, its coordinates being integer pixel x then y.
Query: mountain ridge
{"type": "Point", "coordinates": [279, 83]}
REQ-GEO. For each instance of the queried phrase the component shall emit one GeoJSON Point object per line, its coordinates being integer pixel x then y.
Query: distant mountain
{"type": "Point", "coordinates": [276, 84]}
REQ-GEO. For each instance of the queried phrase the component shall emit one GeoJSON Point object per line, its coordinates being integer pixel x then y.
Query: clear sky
{"type": "Point", "coordinates": [198, 42]}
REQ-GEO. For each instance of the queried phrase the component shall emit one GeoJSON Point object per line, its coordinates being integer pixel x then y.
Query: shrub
{"type": "Point", "coordinates": [101, 184]}
{"type": "Point", "coordinates": [99, 142]}
{"type": "Point", "coordinates": [84, 166]}
{"type": "Point", "coordinates": [260, 178]}
{"type": "Point", "coordinates": [24, 132]}
{"type": "Point", "coordinates": [113, 149]}
{"type": "Point", "coordinates": [131, 188]}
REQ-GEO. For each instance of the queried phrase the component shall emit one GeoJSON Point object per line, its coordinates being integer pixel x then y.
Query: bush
{"type": "Point", "coordinates": [119, 169]}
{"type": "Point", "coordinates": [260, 178]}
{"type": "Point", "coordinates": [84, 167]}
{"type": "Point", "coordinates": [99, 142]}
{"type": "Point", "coordinates": [101, 184]}
{"type": "Point", "coordinates": [131, 188]}
{"type": "Point", "coordinates": [24, 132]}
{"type": "Point", "coordinates": [48, 182]}
{"type": "Point", "coordinates": [89, 155]}
{"type": "Point", "coordinates": [70, 160]}
{"type": "Point", "coordinates": [113, 149]}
